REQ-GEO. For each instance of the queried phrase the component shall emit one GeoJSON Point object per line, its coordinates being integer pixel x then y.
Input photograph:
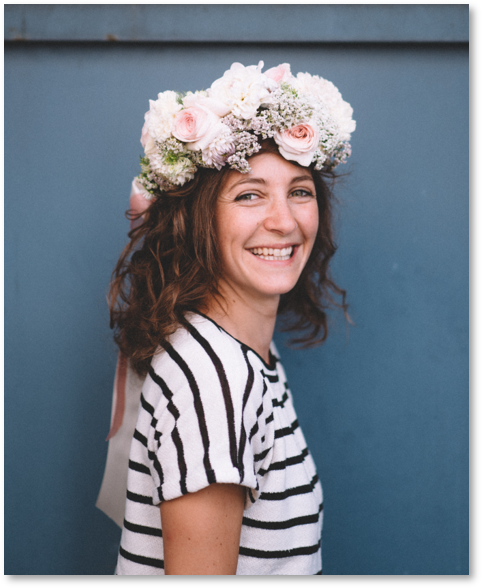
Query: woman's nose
{"type": "Point", "coordinates": [280, 217]}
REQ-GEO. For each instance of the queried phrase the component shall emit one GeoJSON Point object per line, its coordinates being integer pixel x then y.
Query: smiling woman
{"type": "Point", "coordinates": [266, 225]}
{"type": "Point", "coordinates": [236, 230]}
{"type": "Point", "coordinates": [179, 259]}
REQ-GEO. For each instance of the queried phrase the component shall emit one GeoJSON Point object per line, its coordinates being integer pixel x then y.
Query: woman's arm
{"type": "Point", "coordinates": [201, 531]}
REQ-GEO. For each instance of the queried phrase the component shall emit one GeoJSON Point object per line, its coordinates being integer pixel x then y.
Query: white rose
{"type": "Point", "coordinates": [243, 89]}
{"type": "Point", "coordinates": [202, 99]}
{"type": "Point", "coordinates": [160, 117]}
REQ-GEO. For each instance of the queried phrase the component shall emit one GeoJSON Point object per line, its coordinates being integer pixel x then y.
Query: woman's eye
{"type": "Point", "coordinates": [302, 194]}
{"type": "Point", "coordinates": [247, 196]}
{"type": "Point", "coordinates": [250, 196]}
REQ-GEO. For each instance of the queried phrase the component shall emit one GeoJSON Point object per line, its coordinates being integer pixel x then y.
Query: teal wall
{"type": "Point", "coordinates": [385, 411]}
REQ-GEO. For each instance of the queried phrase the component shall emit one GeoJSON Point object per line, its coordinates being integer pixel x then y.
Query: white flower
{"type": "Point", "coordinates": [138, 194]}
{"type": "Point", "coordinates": [321, 90]}
{"type": "Point", "coordinates": [219, 149]}
{"type": "Point", "coordinates": [156, 162]}
{"type": "Point", "coordinates": [243, 89]}
{"type": "Point", "coordinates": [224, 125]}
{"type": "Point", "coordinates": [150, 148]}
{"type": "Point", "coordinates": [202, 99]}
{"type": "Point", "coordinates": [182, 172]}
{"type": "Point", "coordinates": [178, 172]}
{"type": "Point", "coordinates": [160, 117]}
{"type": "Point", "coordinates": [280, 74]}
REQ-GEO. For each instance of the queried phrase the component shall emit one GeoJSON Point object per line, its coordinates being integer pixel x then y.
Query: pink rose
{"type": "Point", "coordinates": [279, 74]}
{"type": "Point", "coordinates": [197, 126]}
{"type": "Point", "coordinates": [298, 143]}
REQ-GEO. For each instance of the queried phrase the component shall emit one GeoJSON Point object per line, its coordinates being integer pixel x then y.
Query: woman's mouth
{"type": "Point", "coordinates": [271, 254]}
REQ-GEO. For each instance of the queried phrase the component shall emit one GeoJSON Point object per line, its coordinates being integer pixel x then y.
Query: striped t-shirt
{"type": "Point", "coordinates": [212, 410]}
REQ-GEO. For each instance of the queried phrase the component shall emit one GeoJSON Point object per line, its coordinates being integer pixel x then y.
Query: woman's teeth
{"type": "Point", "coordinates": [273, 254]}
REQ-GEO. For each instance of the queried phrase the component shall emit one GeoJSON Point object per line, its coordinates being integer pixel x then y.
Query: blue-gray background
{"type": "Point", "coordinates": [385, 411]}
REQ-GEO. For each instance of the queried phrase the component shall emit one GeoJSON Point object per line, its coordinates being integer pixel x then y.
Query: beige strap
{"type": "Point", "coordinates": [112, 495]}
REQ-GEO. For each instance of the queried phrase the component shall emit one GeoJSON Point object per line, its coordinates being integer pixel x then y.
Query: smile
{"type": "Point", "coordinates": [270, 254]}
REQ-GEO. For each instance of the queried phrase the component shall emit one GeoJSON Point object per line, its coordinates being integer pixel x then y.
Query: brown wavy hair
{"type": "Point", "coordinates": [171, 265]}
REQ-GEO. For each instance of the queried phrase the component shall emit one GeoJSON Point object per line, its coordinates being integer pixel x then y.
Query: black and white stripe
{"type": "Point", "coordinates": [213, 411]}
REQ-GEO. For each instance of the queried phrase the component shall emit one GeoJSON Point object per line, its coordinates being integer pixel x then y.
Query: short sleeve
{"type": "Point", "coordinates": [212, 419]}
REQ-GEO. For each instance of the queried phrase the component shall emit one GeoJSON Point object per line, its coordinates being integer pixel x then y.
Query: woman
{"type": "Point", "coordinates": [237, 232]}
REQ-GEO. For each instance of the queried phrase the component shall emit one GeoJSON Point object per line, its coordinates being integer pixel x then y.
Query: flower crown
{"type": "Point", "coordinates": [305, 115]}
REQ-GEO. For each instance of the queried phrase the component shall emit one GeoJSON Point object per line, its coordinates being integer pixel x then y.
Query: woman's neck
{"type": "Point", "coordinates": [251, 322]}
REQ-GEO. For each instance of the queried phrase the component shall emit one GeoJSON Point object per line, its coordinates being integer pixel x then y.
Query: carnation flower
{"type": "Point", "coordinates": [160, 117]}
{"type": "Point", "coordinates": [177, 172]}
{"type": "Point", "coordinates": [216, 152]}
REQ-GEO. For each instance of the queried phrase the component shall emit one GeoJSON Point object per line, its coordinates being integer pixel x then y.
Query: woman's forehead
{"type": "Point", "coordinates": [268, 168]}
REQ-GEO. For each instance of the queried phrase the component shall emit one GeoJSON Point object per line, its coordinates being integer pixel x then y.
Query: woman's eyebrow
{"type": "Point", "coordinates": [302, 179]}
{"type": "Point", "coordinates": [249, 181]}
{"type": "Point", "coordinates": [262, 181]}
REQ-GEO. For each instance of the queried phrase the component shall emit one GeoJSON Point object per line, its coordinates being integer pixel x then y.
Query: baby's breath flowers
{"type": "Point", "coordinates": [224, 125]}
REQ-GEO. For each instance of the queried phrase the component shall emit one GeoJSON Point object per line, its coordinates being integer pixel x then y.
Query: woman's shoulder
{"type": "Point", "coordinates": [198, 339]}
{"type": "Point", "coordinates": [202, 355]}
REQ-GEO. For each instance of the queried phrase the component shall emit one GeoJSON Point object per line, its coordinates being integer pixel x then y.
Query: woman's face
{"type": "Point", "coordinates": [266, 223]}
